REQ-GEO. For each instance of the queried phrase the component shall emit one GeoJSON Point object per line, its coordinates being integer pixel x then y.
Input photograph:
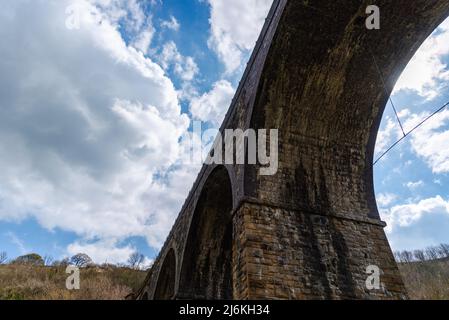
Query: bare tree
{"type": "Point", "coordinates": [81, 260]}
{"type": "Point", "coordinates": [61, 263]}
{"type": "Point", "coordinates": [406, 256]}
{"type": "Point", "coordinates": [48, 260]}
{"type": "Point", "coordinates": [419, 255]}
{"type": "Point", "coordinates": [135, 260]}
{"type": "Point", "coordinates": [444, 250]}
{"type": "Point", "coordinates": [432, 253]}
{"type": "Point", "coordinates": [3, 257]}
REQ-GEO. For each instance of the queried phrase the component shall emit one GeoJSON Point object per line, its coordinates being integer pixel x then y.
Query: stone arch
{"type": "Point", "coordinates": [324, 85]}
{"type": "Point", "coordinates": [165, 288]}
{"type": "Point", "coordinates": [207, 262]}
{"type": "Point", "coordinates": [321, 87]}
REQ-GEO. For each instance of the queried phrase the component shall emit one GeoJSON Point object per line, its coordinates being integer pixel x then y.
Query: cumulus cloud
{"type": "Point", "coordinates": [408, 214]}
{"type": "Point", "coordinates": [184, 67]}
{"type": "Point", "coordinates": [427, 70]}
{"type": "Point", "coordinates": [385, 199]}
{"type": "Point", "coordinates": [431, 141]}
{"type": "Point", "coordinates": [413, 185]}
{"type": "Point", "coordinates": [104, 251]}
{"type": "Point", "coordinates": [127, 12]}
{"type": "Point", "coordinates": [143, 41]}
{"type": "Point", "coordinates": [87, 126]}
{"type": "Point", "coordinates": [212, 105]}
{"type": "Point", "coordinates": [230, 40]}
{"type": "Point", "coordinates": [386, 136]}
{"type": "Point", "coordinates": [171, 24]}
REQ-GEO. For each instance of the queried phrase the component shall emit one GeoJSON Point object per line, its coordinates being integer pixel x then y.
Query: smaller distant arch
{"type": "Point", "coordinates": [206, 270]}
{"type": "Point", "coordinates": [165, 288]}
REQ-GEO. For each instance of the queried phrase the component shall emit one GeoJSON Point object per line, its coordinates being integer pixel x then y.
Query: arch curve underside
{"type": "Point", "coordinates": [207, 262]}
{"type": "Point", "coordinates": [165, 288]}
{"type": "Point", "coordinates": [311, 230]}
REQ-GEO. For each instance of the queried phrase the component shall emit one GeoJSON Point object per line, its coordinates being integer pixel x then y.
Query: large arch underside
{"type": "Point", "coordinates": [324, 85]}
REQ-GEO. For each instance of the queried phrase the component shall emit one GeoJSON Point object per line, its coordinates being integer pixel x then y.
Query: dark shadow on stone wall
{"type": "Point", "coordinates": [165, 289]}
{"type": "Point", "coordinates": [207, 265]}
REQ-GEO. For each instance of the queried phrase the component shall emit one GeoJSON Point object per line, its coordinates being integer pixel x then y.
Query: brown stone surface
{"type": "Point", "coordinates": [311, 230]}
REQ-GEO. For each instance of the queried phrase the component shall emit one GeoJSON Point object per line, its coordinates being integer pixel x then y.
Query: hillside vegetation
{"type": "Point", "coordinates": [425, 272]}
{"type": "Point", "coordinates": [426, 280]}
{"type": "Point", "coordinates": [31, 282]}
{"type": "Point", "coordinates": [31, 277]}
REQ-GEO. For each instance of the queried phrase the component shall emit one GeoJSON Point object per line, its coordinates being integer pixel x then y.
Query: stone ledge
{"type": "Point", "coordinates": [255, 201]}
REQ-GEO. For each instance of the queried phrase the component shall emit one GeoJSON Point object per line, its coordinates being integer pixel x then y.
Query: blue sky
{"type": "Point", "coordinates": [96, 94]}
{"type": "Point", "coordinates": [412, 180]}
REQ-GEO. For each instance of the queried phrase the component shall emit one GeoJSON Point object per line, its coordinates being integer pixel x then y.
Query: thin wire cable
{"type": "Point", "coordinates": [386, 91]}
{"type": "Point", "coordinates": [410, 132]}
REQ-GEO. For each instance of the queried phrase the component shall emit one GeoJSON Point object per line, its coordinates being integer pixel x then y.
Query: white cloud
{"type": "Point", "coordinates": [171, 24]}
{"type": "Point", "coordinates": [427, 70]}
{"type": "Point", "coordinates": [387, 136]}
{"type": "Point", "coordinates": [235, 26]}
{"type": "Point", "coordinates": [431, 141]}
{"type": "Point", "coordinates": [146, 264]}
{"type": "Point", "coordinates": [87, 127]}
{"type": "Point", "coordinates": [129, 12]}
{"type": "Point", "coordinates": [385, 199]}
{"type": "Point", "coordinates": [143, 41]}
{"type": "Point", "coordinates": [408, 214]}
{"type": "Point", "coordinates": [184, 67]}
{"type": "Point", "coordinates": [104, 251]}
{"type": "Point", "coordinates": [212, 106]}
{"type": "Point", "coordinates": [414, 185]}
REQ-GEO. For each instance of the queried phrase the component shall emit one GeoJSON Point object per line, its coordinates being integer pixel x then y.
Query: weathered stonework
{"type": "Point", "coordinates": [294, 255]}
{"type": "Point", "coordinates": [311, 230]}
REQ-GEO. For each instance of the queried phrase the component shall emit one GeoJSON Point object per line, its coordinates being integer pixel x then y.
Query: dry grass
{"type": "Point", "coordinates": [428, 280]}
{"type": "Point", "coordinates": [22, 282]}
{"type": "Point", "coordinates": [424, 280]}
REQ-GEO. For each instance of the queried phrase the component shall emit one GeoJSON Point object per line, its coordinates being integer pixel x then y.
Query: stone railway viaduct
{"type": "Point", "coordinates": [311, 230]}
